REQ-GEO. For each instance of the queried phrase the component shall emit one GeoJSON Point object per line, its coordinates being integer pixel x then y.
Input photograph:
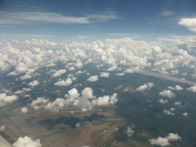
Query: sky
{"type": "Point", "coordinates": [96, 20]}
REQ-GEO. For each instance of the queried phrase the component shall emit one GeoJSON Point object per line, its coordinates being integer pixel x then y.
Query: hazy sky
{"type": "Point", "coordinates": [90, 19]}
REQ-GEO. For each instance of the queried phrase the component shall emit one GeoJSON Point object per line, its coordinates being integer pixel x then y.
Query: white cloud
{"type": "Point", "coordinates": [34, 83]}
{"type": "Point", "coordinates": [192, 89]}
{"type": "Point", "coordinates": [130, 131]}
{"type": "Point", "coordinates": [145, 87]}
{"type": "Point", "coordinates": [162, 101]}
{"type": "Point", "coordinates": [177, 87]}
{"type": "Point", "coordinates": [66, 82]}
{"type": "Point", "coordinates": [104, 74]}
{"type": "Point", "coordinates": [51, 17]}
{"type": "Point", "coordinates": [185, 114]}
{"type": "Point", "coordinates": [166, 13]}
{"type": "Point", "coordinates": [160, 141]}
{"type": "Point", "coordinates": [39, 103]}
{"type": "Point", "coordinates": [168, 112]}
{"type": "Point", "coordinates": [2, 128]}
{"type": "Point", "coordinates": [167, 93]}
{"type": "Point", "coordinates": [173, 137]}
{"type": "Point", "coordinates": [24, 110]}
{"type": "Point", "coordinates": [56, 105]}
{"type": "Point", "coordinates": [59, 73]}
{"type": "Point", "coordinates": [6, 99]}
{"type": "Point", "coordinates": [27, 142]}
{"type": "Point", "coordinates": [107, 100]}
{"type": "Point", "coordinates": [190, 23]}
{"type": "Point", "coordinates": [165, 141]}
{"type": "Point", "coordinates": [93, 78]}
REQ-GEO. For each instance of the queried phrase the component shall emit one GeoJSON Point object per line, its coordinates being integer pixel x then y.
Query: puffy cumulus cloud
{"type": "Point", "coordinates": [162, 101]}
{"type": "Point", "coordinates": [85, 100]}
{"type": "Point", "coordinates": [185, 114]}
{"type": "Point", "coordinates": [7, 99]}
{"type": "Point", "coordinates": [93, 78]}
{"type": "Point", "coordinates": [107, 100]}
{"type": "Point", "coordinates": [24, 109]}
{"type": "Point", "coordinates": [2, 128]}
{"type": "Point", "coordinates": [34, 83]}
{"type": "Point", "coordinates": [39, 103]}
{"type": "Point", "coordinates": [177, 87]}
{"type": "Point", "coordinates": [145, 87]}
{"type": "Point", "coordinates": [160, 141]}
{"type": "Point", "coordinates": [165, 141]}
{"type": "Point", "coordinates": [192, 89]}
{"type": "Point", "coordinates": [190, 23]}
{"type": "Point", "coordinates": [104, 74]}
{"type": "Point", "coordinates": [59, 73]}
{"type": "Point", "coordinates": [128, 54]}
{"type": "Point", "coordinates": [167, 93]}
{"type": "Point", "coordinates": [56, 105]}
{"type": "Point", "coordinates": [168, 112]}
{"type": "Point", "coordinates": [27, 142]}
{"type": "Point", "coordinates": [66, 82]}
{"type": "Point", "coordinates": [130, 131]}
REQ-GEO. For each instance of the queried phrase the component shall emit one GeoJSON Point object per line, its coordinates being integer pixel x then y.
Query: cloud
{"type": "Point", "coordinates": [27, 142]}
{"type": "Point", "coordinates": [104, 74]}
{"type": "Point", "coordinates": [190, 23]}
{"type": "Point", "coordinates": [166, 13]}
{"type": "Point", "coordinates": [177, 87]}
{"type": "Point", "coordinates": [51, 17]}
{"type": "Point", "coordinates": [66, 82]}
{"type": "Point", "coordinates": [6, 99]}
{"type": "Point", "coordinates": [185, 114]}
{"type": "Point", "coordinates": [85, 100]}
{"type": "Point", "coordinates": [168, 112]}
{"type": "Point", "coordinates": [56, 105]}
{"type": "Point", "coordinates": [192, 89]}
{"type": "Point", "coordinates": [123, 55]}
{"type": "Point", "coordinates": [93, 78]}
{"type": "Point", "coordinates": [39, 103]}
{"type": "Point", "coordinates": [162, 101]}
{"type": "Point", "coordinates": [24, 110]}
{"type": "Point", "coordinates": [34, 83]}
{"type": "Point", "coordinates": [145, 87]}
{"type": "Point", "coordinates": [59, 73]}
{"type": "Point", "coordinates": [165, 141]}
{"type": "Point", "coordinates": [83, 37]}
{"type": "Point", "coordinates": [167, 93]}
{"type": "Point", "coordinates": [130, 131]}
{"type": "Point", "coordinates": [107, 100]}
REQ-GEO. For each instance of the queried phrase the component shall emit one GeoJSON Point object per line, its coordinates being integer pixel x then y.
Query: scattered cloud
{"type": "Point", "coordinates": [177, 87]}
{"type": "Point", "coordinates": [192, 89]}
{"type": "Point", "coordinates": [190, 23]}
{"type": "Point", "coordinates": [59, 73]}
{"type": "Point", "coordinates": [168, 112]}
{"type": "Point", "coordinates": [162, 101]}
{"type": "Point", "coordinates": [66, 82]}
{"type": "Point", "coordinates": [34, 83]}
{"type": "Point", "coordinates": [166, 13]}
{"type": "Point", "coordinates": [52, 17]}
{"type": "Point", "coordinates": [167, 93]}
{"type": "Point", "coordinates": [165, 141]}
{"type": "Point", "coordinates": [24, 110]}
{"type": "Point", "coordinates": [93, 78]}
{"type": "Point", "coordinates": [145, 87]}
{"type": "Point", "coordinates": [104, 74]}
{"type": "Point", "coordinates": [130, 131]}
{"type": "Point", "coordinates": [27, 142]}
{"type": "Point", "coordinates": [7, 99]}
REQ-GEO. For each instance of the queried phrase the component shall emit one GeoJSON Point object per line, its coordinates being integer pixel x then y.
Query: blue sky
{"type": "Point", "coordinates": [92, 20]}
